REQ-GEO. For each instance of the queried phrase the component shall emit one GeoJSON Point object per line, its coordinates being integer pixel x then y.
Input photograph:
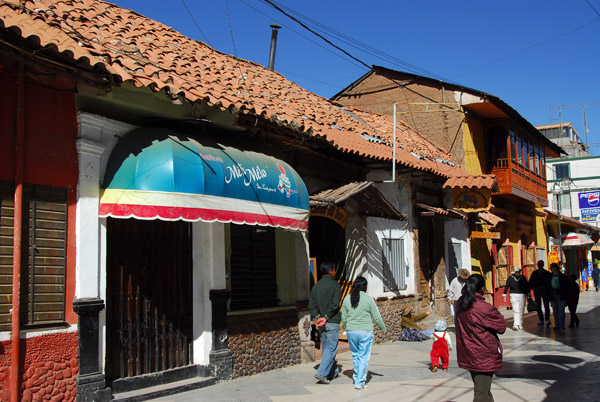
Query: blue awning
{"type": "Point", "coordinates": [160, 174]}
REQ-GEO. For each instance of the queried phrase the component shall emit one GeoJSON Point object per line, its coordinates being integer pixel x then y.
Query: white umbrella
{"type": "Point", "coordinates": [577, 240]}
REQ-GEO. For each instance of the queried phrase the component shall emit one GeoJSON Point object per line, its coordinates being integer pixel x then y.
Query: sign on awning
{"type": "Point", "coordinates": [159, 174]}
{"type": "Point", "coordinates": [471, 199]}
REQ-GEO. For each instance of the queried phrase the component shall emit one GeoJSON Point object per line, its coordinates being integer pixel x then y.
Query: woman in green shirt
{"type": "Point", "coordinates": [358, 313]}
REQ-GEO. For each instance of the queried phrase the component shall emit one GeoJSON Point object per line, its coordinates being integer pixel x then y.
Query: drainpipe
{"type": "Point", "coordinates": [18, 213]}
{"type": "Point", "coordinates": [273, 45]}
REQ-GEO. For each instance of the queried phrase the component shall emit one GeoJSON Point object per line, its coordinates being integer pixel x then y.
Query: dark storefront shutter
{"type": "Point", "coordinates": [44, 254]}
{"type": "Point", "coordinates": [253, 267]}
{"type": "Point", "coordinates": [43, 259]}
{"type": "Point", "coordinates": [6, 252]}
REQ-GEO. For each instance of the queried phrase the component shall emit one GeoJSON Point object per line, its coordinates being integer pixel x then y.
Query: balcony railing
{"type": "Point", "coordinates": [515, 179]}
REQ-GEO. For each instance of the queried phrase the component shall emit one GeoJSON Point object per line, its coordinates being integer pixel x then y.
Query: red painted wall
{"type": "Point", "coordinates": [49, 363]}
{"type": "Point", "coordinates": [49, 369]}
{"type": "Point", "coordinates": [50, 152]}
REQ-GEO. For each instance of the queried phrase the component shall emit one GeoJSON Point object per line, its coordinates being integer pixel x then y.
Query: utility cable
{"type": "Point", "coordinates": [527, 48]}
{"type": "Point", "coordinates": [362, 46]}
{"type": "Point", "coordinates": [269, 2]}
{"type": "Point", "coordinates": [305, 37]}
{"type": "Point", "coordinates": [195, 23]}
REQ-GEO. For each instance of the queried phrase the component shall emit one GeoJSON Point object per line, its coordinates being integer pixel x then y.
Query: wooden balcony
{"type": "Point", "coordinates": [515, 179]}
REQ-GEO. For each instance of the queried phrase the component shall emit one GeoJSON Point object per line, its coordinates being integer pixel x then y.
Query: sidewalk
{"type": "Point", "coordinates": [540, 364]}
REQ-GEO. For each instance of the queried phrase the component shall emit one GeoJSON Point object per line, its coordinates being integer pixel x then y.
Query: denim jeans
{"type": "Point", "coordinates": [558, 308]}
{"type": "Point", "coordinates": [329, 343]}
{"type": "Point", "coordinates": [539, 299]}
{"type": "Point", "coordinates": [360, 343]}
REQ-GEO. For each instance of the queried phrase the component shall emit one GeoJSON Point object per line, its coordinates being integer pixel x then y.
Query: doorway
{"type": "Point", "coordinates": [149, 297]}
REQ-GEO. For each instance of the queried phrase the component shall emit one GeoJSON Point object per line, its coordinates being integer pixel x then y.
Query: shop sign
{"type": "Point", "coordinates": [589, 205]}
{"type": "Point", "coordinates": [589, 214]}
{"type": "Point", "coordinates": [553, 257]}
{"type": "Point", "coordinates": [335, 213]}
{"type": "Point", "coordinates": [485, 235]}
{"type": "Point", "coordinates": [584, 276]}
{"type": "Point", "coordinates": [471, 199]}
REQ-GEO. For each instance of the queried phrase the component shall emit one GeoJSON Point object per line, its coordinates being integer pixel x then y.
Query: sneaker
{"type": "Point", "coordinates": [548, 323]}
{"type": "Point", "coordinates": [434, 369]}
{"type": "Point", "coordinates": [445, 369]}
{"type": "Point", "coordinates": [540, 323]}
{"type": "Point", "coordinates": [321, 379]}
{"type": "Point", "coordinates": [358, 387]}
{"type": "Point", "coordinates": [515, 328]}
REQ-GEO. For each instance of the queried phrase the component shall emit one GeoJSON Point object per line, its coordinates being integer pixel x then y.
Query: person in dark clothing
{"type": "Point", "coordinates": [519, 289]}
{"type": "Point", "coordinates": [573, 300]}
{"type": "Point", "coordinates": [557, 287]}
{"type": "Point", "coordinates": [478, 348]}
{"type": "Point", "coordinates": [536, 283]}
{"type": "Point", "coordinates": [596, 276]}
{"type": "Point", "coordinates": [324, 306]}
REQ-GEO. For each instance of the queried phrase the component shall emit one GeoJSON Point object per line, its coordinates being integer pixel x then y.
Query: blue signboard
{"type": "Point", "coordinates": [589, 199]}
{"type": "Point", "coordinates": [590, 269]}
{"type": "Point", "coordinates": [589, 214]}
{"type": "Point", "coordinates": [584, 277]}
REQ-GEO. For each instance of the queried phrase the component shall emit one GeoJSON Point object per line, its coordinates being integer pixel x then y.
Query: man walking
{"type": "Point", "coordinates": [324, 306]}
{"type": "Point", "coordinates": [536, 283]}
{"type": "Point", "coordinates": [455, 288]}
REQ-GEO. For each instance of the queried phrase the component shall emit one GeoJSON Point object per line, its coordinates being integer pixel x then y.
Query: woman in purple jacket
{"type": "Point", "coordinates": [478, 347]}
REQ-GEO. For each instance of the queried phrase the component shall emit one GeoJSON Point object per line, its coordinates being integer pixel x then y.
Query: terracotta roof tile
{"type": "Point", "coordinates": [149, 54]}
{"type": "Point", "coordinates": [472, 181]}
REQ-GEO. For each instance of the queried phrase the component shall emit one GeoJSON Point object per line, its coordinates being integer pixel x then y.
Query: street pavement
{"type": "Point", "coordinates": [540, 364]}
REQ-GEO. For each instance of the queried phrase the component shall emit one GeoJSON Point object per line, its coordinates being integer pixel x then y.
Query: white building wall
{"type": "Point", "coordinates": [372, 231]}
{"type": "Point", "coordinates": [584, 176]}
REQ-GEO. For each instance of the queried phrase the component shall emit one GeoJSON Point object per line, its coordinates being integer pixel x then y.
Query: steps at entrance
{"type": "Point", "coordinates": [164, 389]}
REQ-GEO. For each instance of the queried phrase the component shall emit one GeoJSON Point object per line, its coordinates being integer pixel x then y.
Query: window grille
{"type": "Point", "coordinates": [394, 267]}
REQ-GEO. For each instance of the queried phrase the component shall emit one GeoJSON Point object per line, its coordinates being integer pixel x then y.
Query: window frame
{"type": "Point", "coordinates": [394, 275]}
{"type": "Point", "coordinates": [43, 255]}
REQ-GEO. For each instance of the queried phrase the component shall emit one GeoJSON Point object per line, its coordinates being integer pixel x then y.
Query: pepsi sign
{"type": "Point", "coordinates": [590, 199]}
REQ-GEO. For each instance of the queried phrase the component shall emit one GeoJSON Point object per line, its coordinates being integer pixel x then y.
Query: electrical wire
{"type": "Point", "coordinates": [360, 45]}
{"type": "Point", "coordinates": [269, 2]}
{"type": "Point", "coordinates": [195, 23]}
{"type": "Point", "coordinates": [305, 37]}
{"type": "Point", "coordinates": [527, 48]}
{"type": "Point", "coordinates": [231, 30]}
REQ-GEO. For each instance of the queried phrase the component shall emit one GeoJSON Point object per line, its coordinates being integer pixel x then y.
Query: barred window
{"type": "Point", "coordinates": [394, 267]}
{"type": "Point", "coordinates": [43, 259]}
{"type": "Point", "coordinates": [253, 276]}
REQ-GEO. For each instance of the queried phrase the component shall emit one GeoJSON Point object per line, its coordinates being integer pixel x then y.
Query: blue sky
{"type": "Point", "coordinates": [534, 54]}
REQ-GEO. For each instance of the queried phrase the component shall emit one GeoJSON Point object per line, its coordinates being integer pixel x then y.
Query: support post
{"type": "Point", "coordinates": [90, 381]}
{"type": "Point", "coordinates": [221, 358]}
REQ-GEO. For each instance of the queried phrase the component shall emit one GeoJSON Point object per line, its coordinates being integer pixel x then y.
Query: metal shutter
{"type": "Point", "coordinates": [253, 267]}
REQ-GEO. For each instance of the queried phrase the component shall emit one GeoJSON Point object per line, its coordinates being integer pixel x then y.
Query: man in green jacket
{"type": "Point", "coordinates": [324, 306]}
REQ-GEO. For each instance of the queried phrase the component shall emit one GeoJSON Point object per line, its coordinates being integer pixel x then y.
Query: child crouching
{"type": "Point", "coordinates": [442, 344]}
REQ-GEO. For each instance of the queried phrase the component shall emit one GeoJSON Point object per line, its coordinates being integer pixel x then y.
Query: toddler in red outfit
{"type": "Point", "coordinates": [442, 344]}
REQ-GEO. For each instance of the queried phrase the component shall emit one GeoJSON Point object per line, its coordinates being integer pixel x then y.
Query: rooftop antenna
{"type": "Point", "coordinates": [273, 45]}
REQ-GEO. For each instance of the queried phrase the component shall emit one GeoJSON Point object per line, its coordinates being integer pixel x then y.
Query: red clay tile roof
{"type": "Point", "coordinates": [473, 181]}
{"type": "Point", "coordinates": [490, 218]}
{"type": "Point", "coordinates": [142, 51]}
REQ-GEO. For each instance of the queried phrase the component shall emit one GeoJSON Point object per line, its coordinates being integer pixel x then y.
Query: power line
{"type": "Point", "coordinates": [527, 48]}
{"type": "Point", "coordinates": [269, 2]}
{"type": "Point", "coordinates": [305, 37]}
{"type": "Point", "coordinates": [362, 46]}
{"type": "Point", "coordinates": [195, 23]}
{"type": "Point", "coordinates": [231, 30]}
